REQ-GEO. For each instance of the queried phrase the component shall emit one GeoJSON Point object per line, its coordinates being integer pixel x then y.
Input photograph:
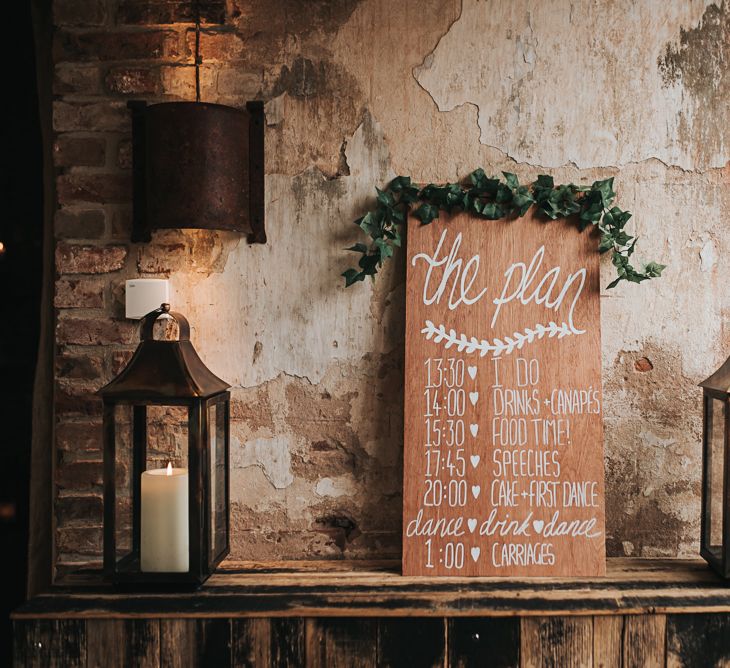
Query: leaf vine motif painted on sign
{"type": "Point", "coordinates": [506, 345]}
{"type": "Point", "coordinates": [492, 199]}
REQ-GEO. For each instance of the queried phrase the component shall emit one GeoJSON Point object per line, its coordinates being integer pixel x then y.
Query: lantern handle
{"type": "Point", "coordinates": [148, 323]}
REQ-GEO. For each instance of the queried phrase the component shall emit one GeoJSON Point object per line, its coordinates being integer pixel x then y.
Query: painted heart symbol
{"type": "Point", "coordinates": [538, 525]}
{"type": "Point", "coordinates": [473, 397]}
{"type": "Point", "coordinates": [475, 489]}
{"type": "Point", "coordinates": [474, 429]}
{"type": "Point", "coordinates": [475, 552]}
{"type": "Point", "coordinates": [472, 371]}
{"type": "Point", "coordinates": [472, 523]}
{"type": "Point", "coordinates": [475, 460]}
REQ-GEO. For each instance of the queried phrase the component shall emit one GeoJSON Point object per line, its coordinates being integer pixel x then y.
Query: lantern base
{"type": "Point", "coordinates": [128, 576]}
{"type": "Point", "coordinates": [713, 556]}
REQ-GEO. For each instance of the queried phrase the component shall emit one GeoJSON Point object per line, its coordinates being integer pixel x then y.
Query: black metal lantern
{"type": "Point", "coordinates": [166, 452]}
{"type": "Point", "coordinates": [715, 525]}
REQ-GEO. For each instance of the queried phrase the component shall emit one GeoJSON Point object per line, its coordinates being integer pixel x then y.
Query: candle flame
{"type": "Point", "coordinates": [169, 468]}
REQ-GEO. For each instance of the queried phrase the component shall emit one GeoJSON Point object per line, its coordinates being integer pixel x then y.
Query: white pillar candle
{"type": "Point", "coordinates": [165, 540]}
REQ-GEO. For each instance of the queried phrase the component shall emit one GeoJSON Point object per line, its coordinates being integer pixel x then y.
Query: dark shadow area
{"type": "Point", "coordinates": [21, 236]}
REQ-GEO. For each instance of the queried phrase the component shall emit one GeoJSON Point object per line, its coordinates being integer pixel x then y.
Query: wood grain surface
{"type": "Point", "coordinates": [503, 453]}
{"type": "Point", "coordinates": [377, 589]}
{"type": "Point", "coordinates": [362, 613]}
{"type": "Point", "coordinates": [629, 641]}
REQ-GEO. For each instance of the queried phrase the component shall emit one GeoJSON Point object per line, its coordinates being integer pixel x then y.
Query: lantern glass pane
{"type": "Point", "coordinates": [218, 471]}
{"type": "Point", "coordinates": [123, 511]}
{"type": "Point", "coordinates": [716, 470]}
{"type": "Point", "coordinates": [165, 538]}
{"type": "Point", "coordinates": [167, 437]}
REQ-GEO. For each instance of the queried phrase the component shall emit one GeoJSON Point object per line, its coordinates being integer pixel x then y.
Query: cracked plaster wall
{"type": "Point", "coordinates": [357, 92]}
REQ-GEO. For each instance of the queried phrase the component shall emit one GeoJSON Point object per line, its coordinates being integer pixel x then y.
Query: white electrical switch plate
{"type": "Point", "coordinates": [144, 295]}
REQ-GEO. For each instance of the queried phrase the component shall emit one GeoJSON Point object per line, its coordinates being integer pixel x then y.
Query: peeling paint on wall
{"type": "Point", "coordinates": [357, 92]}
{"type": "Point", "coordinates": [593, 84]}
{"type": "Point", "coordinates": [270, 454]}
{"type": "Point", "coordinates": [699, 66]}
{"type": "Point", "coordinates": [298, 311]}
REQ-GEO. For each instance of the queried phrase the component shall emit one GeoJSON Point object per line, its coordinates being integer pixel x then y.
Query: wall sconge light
{"type": "Point", "coordinates": [198, 165]}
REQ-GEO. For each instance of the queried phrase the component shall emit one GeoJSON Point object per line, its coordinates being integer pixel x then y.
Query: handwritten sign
{"type": "Point", "coordinates": [503, 466]}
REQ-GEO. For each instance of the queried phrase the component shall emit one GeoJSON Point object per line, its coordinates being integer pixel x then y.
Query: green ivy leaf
{"type": "Point", "coordinates": [620, 218]}
{"type": "Point", "coordinates": [386, 250]}
{"type": "Point", "coordinates": [399, 183]}
{"type": "Point", "coordinates": [369, 263]}
{"type": "Point", "coordinates": [621, 238]}
{"type": "Point", "coordinates": [426, 213]}
{"type": "Point", "coordinates": [394, 235]}
{"type": "Point", "coordinates": [493, 198]}
{"type": "Point", "coordinates": [504, 194]}
{"type": "Point", "coordinates": [522, 200]}
{"type": "Point", "coordinates": [606, 243]}
{"type": "Point", "coordinates": [368, 223]}
{"type": "Point", "coordinates": [385, 197]}
{"type": "Point", "coordinates": [654, 269]}
{"type": "Point", "coordinates": [605, 188]}
{"type": "Point", "coordinates": [492, 211]}
{"type": "Point", "coordinates": [607, 221]}
{"type": "Point", "coordinates": [511, 180]}
{"type": "Point", "coordinates": [409, 196]}
{"type": "Point", "coordinates": [478, 177]}
{"type": "Point", "coordinates": [352, 276]}
{"type": "Point", "coordinates": [591, 213]}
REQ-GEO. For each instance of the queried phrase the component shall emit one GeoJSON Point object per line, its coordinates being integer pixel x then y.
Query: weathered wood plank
{"type": "Point", "coordinates": [195, 642]}
{"type": "Point", "coordinates": [293, 602]}
{"type": "Point", "coordinates": [607, 641]}
{"type": "Point", "coordinates": [341, 643]}
{"type": "Point", "coordinates": [697, 641]}
{"type": "Point", "coordinates": [556, 641]}
{"type": "Point", "coordinates": [50, 643]}
{"type": "Point", "coordinates": [122, 642]}
{"type": "Point", "coordinates": [644, 641]}
{"type": "Point", "coordinates": [631, 587]}
{"type": "Point", "coordinates": [616, 568]}
{"type": "Point", "coordinates": [287, 643]}
{"type": "Point", "coordinates": [411, 641]}
{"type": "Point", "coordinates": [251, 642]}
{"type": "Point", "coordinates": [484, 641]}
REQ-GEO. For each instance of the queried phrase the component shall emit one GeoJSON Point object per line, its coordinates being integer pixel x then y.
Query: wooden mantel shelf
{"type": "Point", "coordinates": [376, 589]}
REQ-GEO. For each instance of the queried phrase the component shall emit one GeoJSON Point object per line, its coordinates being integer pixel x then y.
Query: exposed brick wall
{"type": "Point", "coordinates": [105, 52]}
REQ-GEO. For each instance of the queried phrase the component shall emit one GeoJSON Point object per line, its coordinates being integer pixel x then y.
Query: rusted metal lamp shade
{"type": "Point", "coordinates": [715, 524]}
{"type": "Point", "coordinates": [165, 406]}
{"type": "Point", "coordinates": [198, 165]}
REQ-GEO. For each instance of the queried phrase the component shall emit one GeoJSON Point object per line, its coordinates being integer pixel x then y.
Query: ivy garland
{"type": "Point", "coordinates": [492, 199]}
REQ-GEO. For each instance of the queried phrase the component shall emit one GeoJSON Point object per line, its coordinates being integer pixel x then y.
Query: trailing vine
{"type": "Point", "coordinates": [492, 199]}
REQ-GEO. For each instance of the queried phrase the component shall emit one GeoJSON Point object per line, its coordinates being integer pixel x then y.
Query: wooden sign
{"type": "Point", "coordinates": [503, 466]}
